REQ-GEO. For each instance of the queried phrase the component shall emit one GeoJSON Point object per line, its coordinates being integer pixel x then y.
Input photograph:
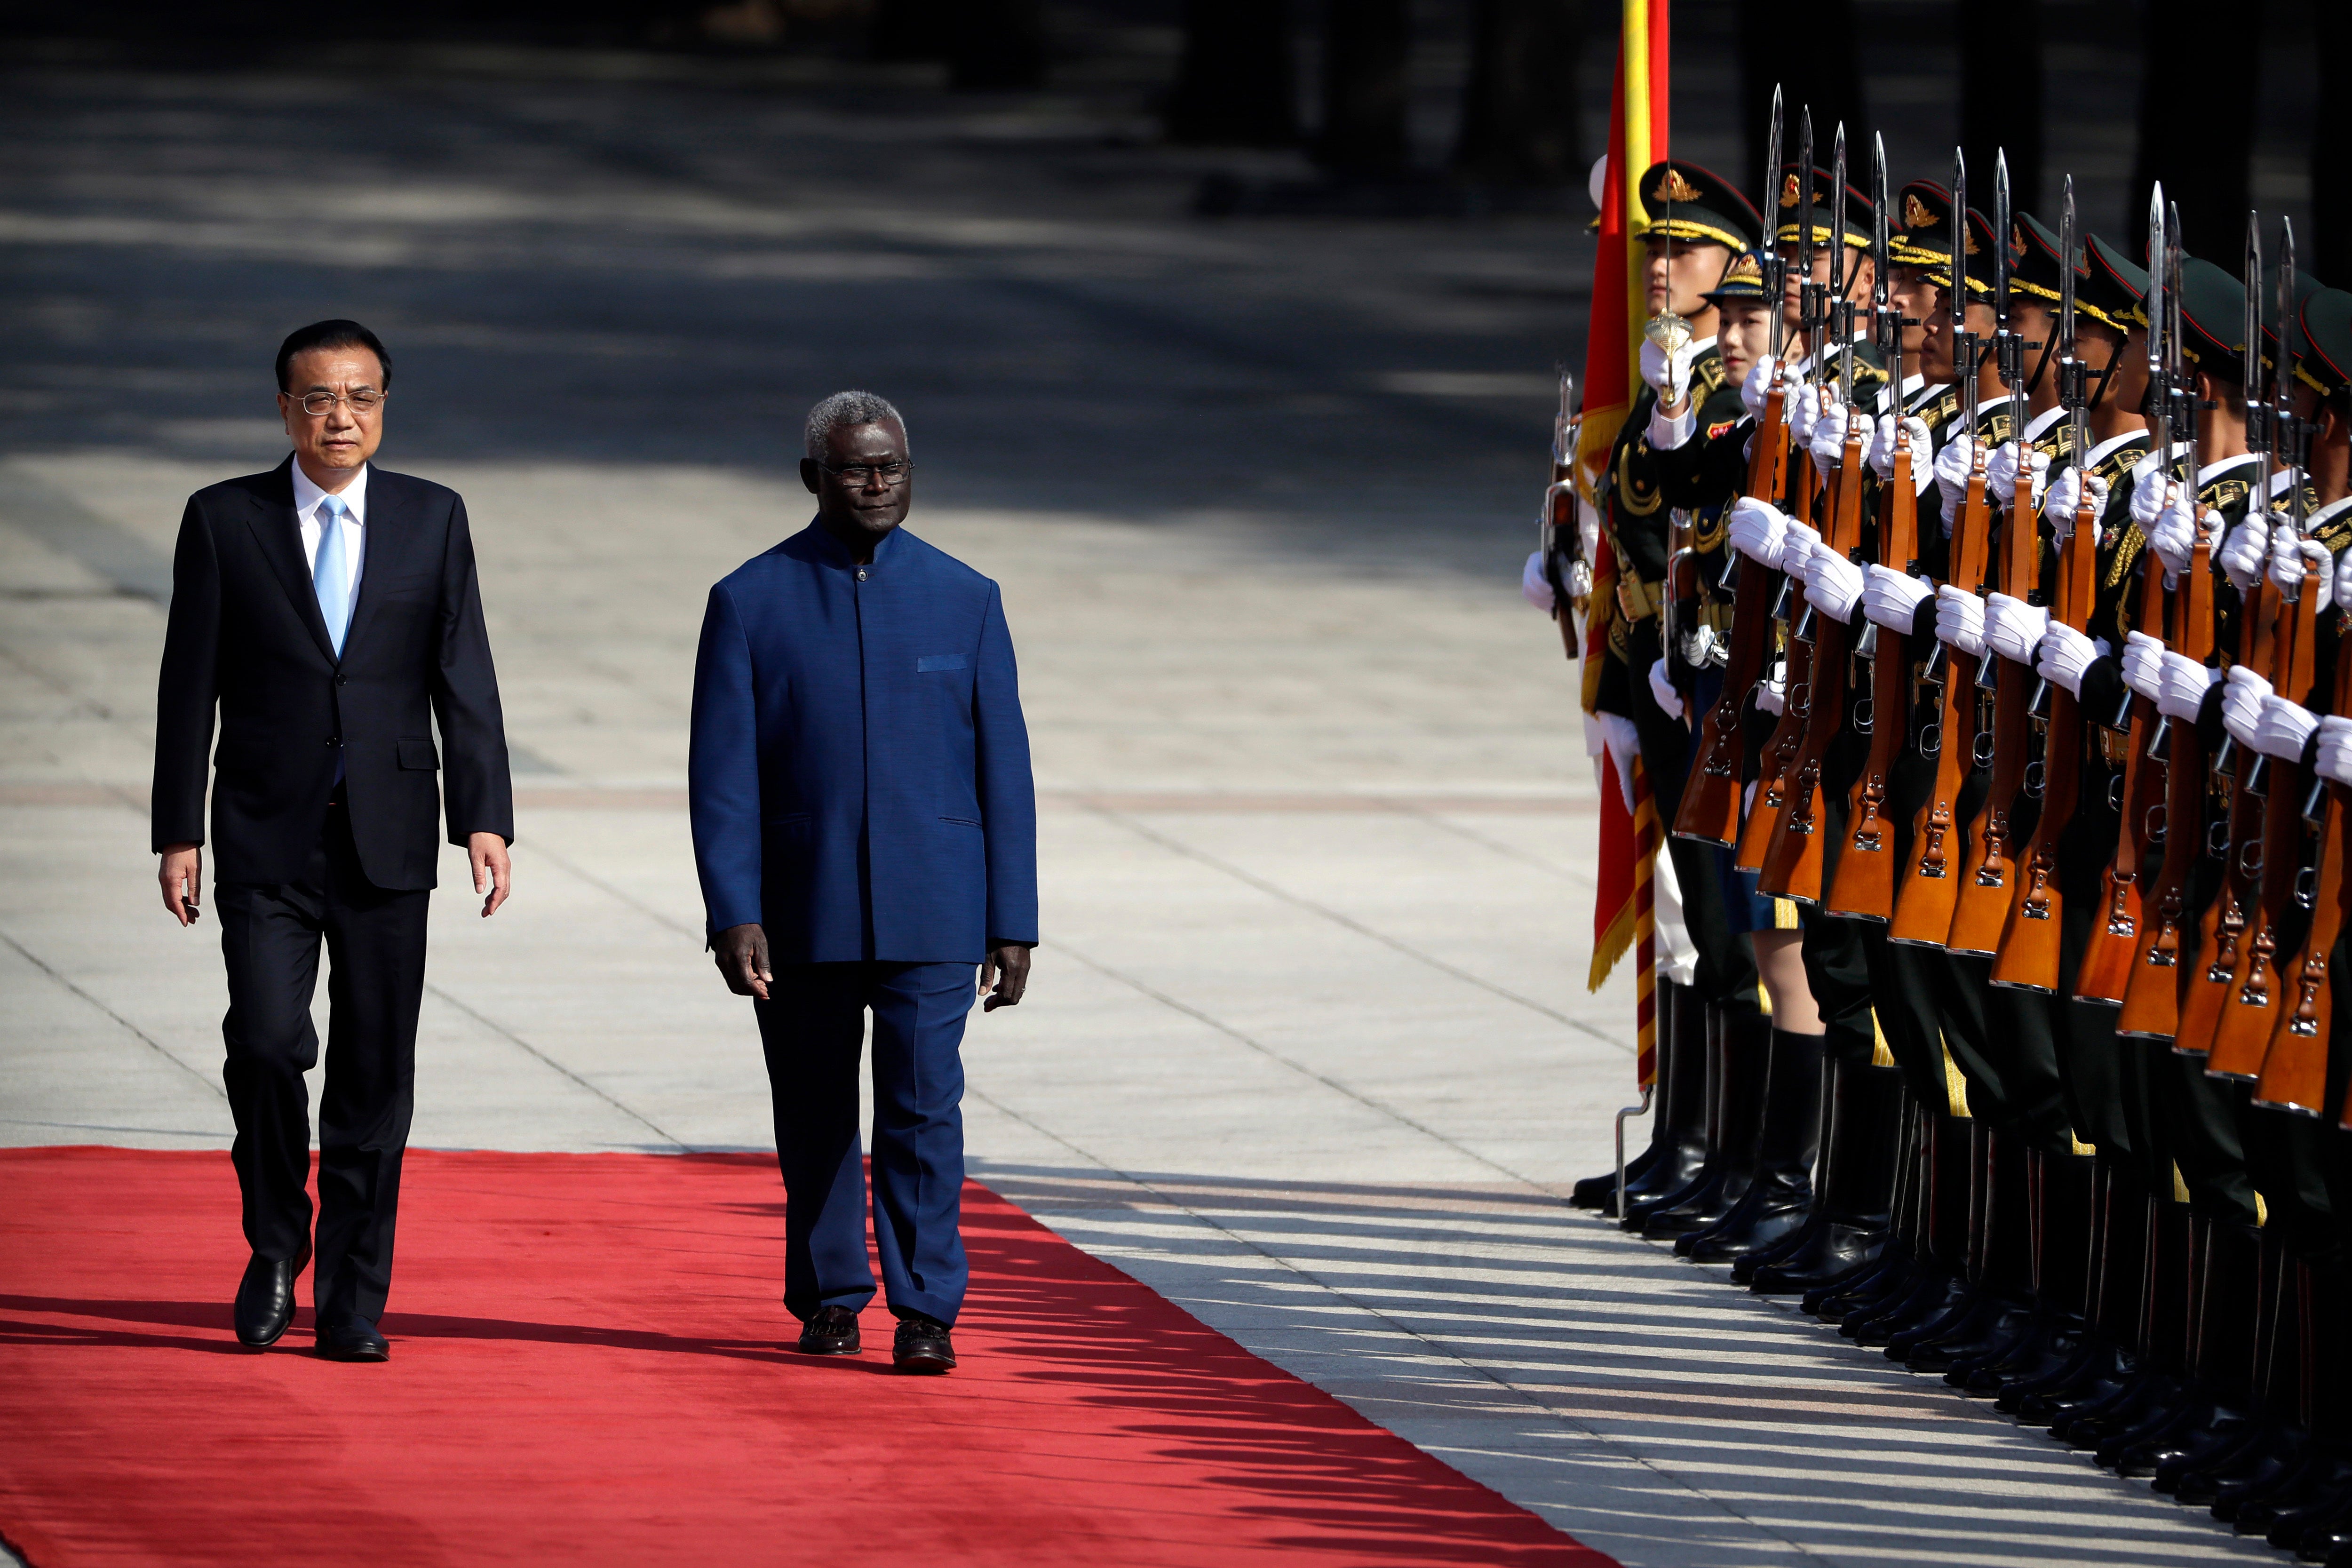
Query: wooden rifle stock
{"type": "Point", "coordinates": [1780, 746]}
{"type": "Point", "coordinates": [2259, 981]}
{"type": "Point", "coordinates": [1864, 884]}
{"type": "Point", "coordinates": [1983, 907]}
{"type": "Point", "coordinates": [2223, 930]}
{"type": "Point", "coordinates": [2151, 1006]}
{"type": "Point", "coordinates": [1710, 808]}
{"type": "Point", "coordinates": [1931, 881]}
{"type": "Point", "coordinates": [1793, 862]}
{"type": "Point", "coordinates": [2294, 1068]}
{"type": "Point", "coordinates": [2115, 928]}
{"type": "Point", "coordinates": [2028, 957]}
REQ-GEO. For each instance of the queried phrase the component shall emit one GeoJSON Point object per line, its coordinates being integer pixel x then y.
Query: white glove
{"type": "Point", "coordinates": [2000, 473]}
{"type": "Point", "coordinates": [1882, 450]}
{"type": "Point", "coordinates": [2294, 559]}
{"type": "Point", "coordinates": [2282, 729]}
{"type": "Point", "coordinates": [1756, 389]}
{"type": "Point", "coordinates": [2334, 762]}
{"type": "Point", "coordinates": [2344, 580]}
{"type": "Point", "coordinates": [2185, 682]}
{"type": "Point", "coordinates": [1960, 620]}
{"type": "Point", "coordinates": [1662, 688]}
{"type": "Point", "coordinates": [1832, 583]}
{"type": "Point", "coordinates": [1827, 442]}
{"type": "Point", "coordinates": [1892, 599]}
{"type": "Point", "coordinates": [2149, 492]}
{"type": "Point", "coordinates": [1773, 695]}
{"type": "Point", "coordinates": [2065, 498]}
{"type": "Point", "coordinates": [2015, 628]}
{"type": "Point", "coordinates": [2241, 555]}
{"type": "Point", "coordinates": [1804, 408]}
{"type": "Point", "coordinates": [2065, 655]}
{"type": "Point", "coordinates": [1669, 373]}
{"type": "Point", "coordinates": [2173, 535]}
{"type": "Point", "coordinates": [2143, 663]}
{"type": "Point", "coordinates": [1954, 464]}
{"type": "Point", "coordinates": [2241, 703]}
{"type": "Point", "coordinates": [1534, 586]}
{"type": "Point", "coordinates": [1755, 529]}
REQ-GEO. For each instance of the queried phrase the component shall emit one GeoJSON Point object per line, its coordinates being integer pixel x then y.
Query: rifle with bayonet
{"type": "Point", "coordinates": [2115, 929]}
{"type": "Point", "coordinates": [2294, 1067]}
{"type": "Point", "coordinates": [1710, 807]}
{"type": "Point", "coordinates": [2028, 957]}
{"type": "Point", "coordinates": [2248, 1009]}
{"type": "Point", "coordinates": [1780, 747]}
{"type": "Point", "coordinates": [1864, 883]}
{"type": "Point", "coordinates": [2151, 1003]}
{"type": "Point", "coordinates": [1793, 860]}
{"type": "Point", "coordinates": [1984, 901]}
{"type": "Point", "coordinates": [2223, 931]}
{"type": "Point", "coordinates": [1931, 881]}
{"type": "Point", "coordinates": [1557, 534]}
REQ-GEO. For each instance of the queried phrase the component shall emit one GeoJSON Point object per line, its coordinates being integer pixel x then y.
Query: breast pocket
{"type": "Point", "coordinates": [407, 587]}
{"type": "Point", "coordinates": [931, 661]}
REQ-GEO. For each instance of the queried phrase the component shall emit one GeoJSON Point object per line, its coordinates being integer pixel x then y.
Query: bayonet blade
{"type": "Point", "coordinates": [2160, 395]}
{"type": "Point", "coordinates": [2000, 216]}
{"type": "Point", "coordinates": [1959, 249]}
{"type": "Point", "coordinates": [1772, 159]}
{"type": "Point", "coordinates": [1769, 264]}
{"type": "Point", "coordinates": [2066, 273]}
{"type": "Point", "coordinates": [1835, 227]}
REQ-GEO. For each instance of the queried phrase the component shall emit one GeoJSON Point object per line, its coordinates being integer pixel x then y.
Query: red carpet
{"type": "Point", "coordinates": [586, 1369]}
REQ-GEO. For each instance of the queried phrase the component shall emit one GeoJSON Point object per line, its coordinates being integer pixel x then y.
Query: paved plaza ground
{"type": "Point", "coordinates": [1307, 1048]}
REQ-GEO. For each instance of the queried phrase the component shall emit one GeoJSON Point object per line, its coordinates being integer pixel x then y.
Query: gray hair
{"type": "Point", "coordinates": [847, 408]}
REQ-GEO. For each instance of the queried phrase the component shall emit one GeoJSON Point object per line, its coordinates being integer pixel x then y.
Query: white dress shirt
{"type": "Point", "coordinates": [307, 497]}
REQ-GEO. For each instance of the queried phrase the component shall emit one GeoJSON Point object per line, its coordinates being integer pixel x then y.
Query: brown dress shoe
{"type": "Point", "coordinates": [922, 1346]}
{"type": "Point", "coordinates": [833, 1332]}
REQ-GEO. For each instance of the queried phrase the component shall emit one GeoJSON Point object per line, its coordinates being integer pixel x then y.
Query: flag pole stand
{"type": "Point", "coordinates": [1641, 1110]}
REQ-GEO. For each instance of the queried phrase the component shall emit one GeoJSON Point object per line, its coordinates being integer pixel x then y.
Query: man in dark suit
{"type": "Point", "coordinates": [867, 832]}
{"type": "Point", "coordinates": [328, 611]}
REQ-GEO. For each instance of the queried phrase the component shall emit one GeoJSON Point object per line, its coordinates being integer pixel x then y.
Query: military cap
{"type": "Point", "coordinates": [2112, 290]}
{"type": "Point", "coordinates": [2326, 318]}
{"type": "Point", "coordinates": [1936, 264]}
{"type": "Point", "coordinates": [1686, 202]}
{"type": "Point", "coordinates": [2035, 266]}
{"type": "Point", "coordinates": [1856, 219]}
{"type": "Point", "coordinates": [2212, 319]}
{"type": "Point", "coordinates": [1743, 278]}
{"type": "Point", "coordinates": [2306, 286]}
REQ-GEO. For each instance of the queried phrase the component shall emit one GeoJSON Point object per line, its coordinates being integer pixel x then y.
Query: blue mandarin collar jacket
{"type": "Point", "coordinates": [859, 773]}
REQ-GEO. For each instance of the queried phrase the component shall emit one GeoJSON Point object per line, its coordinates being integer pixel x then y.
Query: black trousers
{"type": "Point", "coordinates": [375, 942]}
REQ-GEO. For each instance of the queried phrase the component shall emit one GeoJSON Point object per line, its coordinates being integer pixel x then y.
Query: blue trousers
{"type": "Point", "coordinates": [810, 1029]}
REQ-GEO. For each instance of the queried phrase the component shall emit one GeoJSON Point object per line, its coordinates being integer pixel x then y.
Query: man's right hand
{"type": "Point", "coordinates": [741, 954]}
{"type": "Point", "coordinates": [182, 876]}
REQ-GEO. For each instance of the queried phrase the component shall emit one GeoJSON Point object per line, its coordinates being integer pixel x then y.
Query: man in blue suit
{"type": "Point", "coordinates": [866, 827]}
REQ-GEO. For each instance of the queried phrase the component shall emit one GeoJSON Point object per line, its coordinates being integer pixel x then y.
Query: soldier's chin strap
{"type": "Point", "coordinates": [2114, 357]}
{"type": "Point", "coordinates": [2042, 362]}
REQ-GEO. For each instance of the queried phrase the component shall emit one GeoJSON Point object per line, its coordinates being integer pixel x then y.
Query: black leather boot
{"type": "Point", "coordinates": [1677, 1145]}
{"type": "Point", "coordinates": [1703, 1034]}
{"type": "Point", "coordinates": [2061, 1190]}
{"type": "Point", "coordinates": [1938, 1281]}
{"type": "Point", "coordinates": [2253, 1438]}
{"type": "Point", "coordinates": [1899, 1261]}
{"type": "Point", "coordinates": [2218, 1396]}
{"type": "Point", "coordinates": [2114, 1290]}
{"type": "Point", "coordinates": [1780, 1193]}
{"type": "Point", "coordinates": [1998, 1308]}
{"type": "Point", "coordinates": [2167, 1323]}
{"type": "Point", "coordinates": [1850, 1221]}
{"type": "Point", "coordinates": [1747, 1059]}
{"type": "Point", "coordinates": [1744, 1267]}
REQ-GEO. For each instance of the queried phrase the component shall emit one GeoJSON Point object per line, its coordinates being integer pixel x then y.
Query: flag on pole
{"type": "Point", "coordinates": [1623, 915]}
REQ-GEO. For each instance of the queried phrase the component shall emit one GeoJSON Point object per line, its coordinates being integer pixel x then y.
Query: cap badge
{"type": "Point", "coordinates": [1914, 212]}
{"type": "Point", "coordinates": [1675, 188]}
{"type": "Point", "coordinates": [1790, 194]}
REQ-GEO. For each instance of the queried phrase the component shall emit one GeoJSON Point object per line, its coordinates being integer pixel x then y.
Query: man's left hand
{"type": "Point", "coordinates": [1003, 976]}
{"type": "Point", "coordinates": [493, 873]}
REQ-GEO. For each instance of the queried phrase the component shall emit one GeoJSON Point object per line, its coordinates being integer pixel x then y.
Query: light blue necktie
{"type": "Point", "coordinates": [330, 572]}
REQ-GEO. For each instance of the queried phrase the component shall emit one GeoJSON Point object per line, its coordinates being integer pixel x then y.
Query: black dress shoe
{"type": "Point", "coordinates": [352, 1338]}
{"type": "Point", "coordinates": [833, 1332]}
{"type": "Point", "coordinates": [265, 1298]}
{"type": "Point", "coordinates": [922, 1346]}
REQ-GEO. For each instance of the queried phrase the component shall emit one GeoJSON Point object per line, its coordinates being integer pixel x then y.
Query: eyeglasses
{"type": "Point", "coordinates": [858, 475]}
{"type": "Point", "coordinates": [363, 401]}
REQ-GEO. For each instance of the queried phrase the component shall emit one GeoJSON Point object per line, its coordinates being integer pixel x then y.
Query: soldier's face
{"type": "Point", "coordinates": [1679, 273]}
{"type": "Point", "coordinates": [1908, 289]}
{"type": "Point", "coordinates": [1743, 335]}
{"type": "Point", "coordinates": [2127, 388]}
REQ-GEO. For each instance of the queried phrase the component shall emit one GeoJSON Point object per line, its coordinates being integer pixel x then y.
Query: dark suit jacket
{"type": "Point", "coordinates": [859, 775]}
{"type": "Point", "coordinates": [246, 635]}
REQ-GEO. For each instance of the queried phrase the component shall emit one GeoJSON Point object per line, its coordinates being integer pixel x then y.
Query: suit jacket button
{"type": "Point", "coordinates": [334, 739]}
{"type": "Point", "coordinates": [343, 680]}
{"type": "Point", "coordinates": [861, 574]}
